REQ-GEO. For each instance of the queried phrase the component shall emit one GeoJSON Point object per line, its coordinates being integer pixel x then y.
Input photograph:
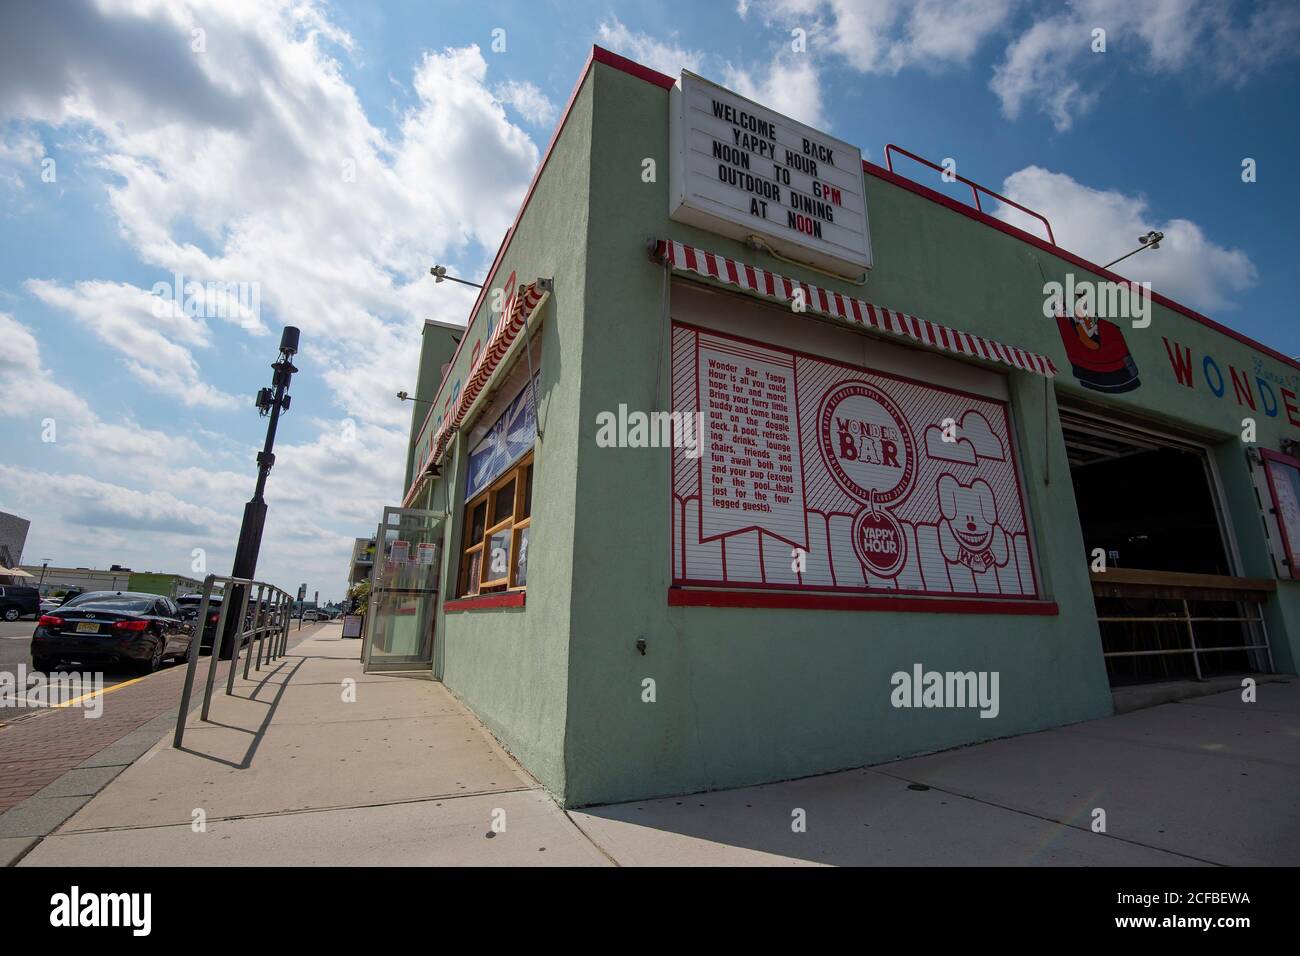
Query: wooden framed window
{"type": "Point", "coordinates": [497, 521]}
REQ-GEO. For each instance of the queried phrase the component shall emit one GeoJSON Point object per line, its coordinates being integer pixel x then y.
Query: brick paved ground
{"type": "Point", "coordinates": [37, 750]}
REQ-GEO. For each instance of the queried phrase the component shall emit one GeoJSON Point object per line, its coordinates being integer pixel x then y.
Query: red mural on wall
{"type": "Point", "coordinates": [811, 474]}
{"type": "Point", "coordinates": [1099, 356]}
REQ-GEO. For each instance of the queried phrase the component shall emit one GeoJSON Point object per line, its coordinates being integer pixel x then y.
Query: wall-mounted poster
{"type": "Point", "coordinates": [811, 474]}
{"type": "Point", "coordinates": [1284, 484]}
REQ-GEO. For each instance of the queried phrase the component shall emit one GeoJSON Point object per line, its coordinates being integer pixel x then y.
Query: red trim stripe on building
{"type": "Point", "coordinates": [684, 258]}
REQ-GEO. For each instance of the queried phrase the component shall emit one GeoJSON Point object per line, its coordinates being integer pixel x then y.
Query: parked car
{"type": "Point", "coordinates": [310, 615]}
{"type": "Point", "coordinates": [49, 604]}
{"type": "Point", "coordinates": [69, 594]}
{"type": "Point", "coordinates": [190, 604]}
{"type": "Point", "coordinates": [112, 628]}
{"type": "Point", "coordinates": [18, 602]}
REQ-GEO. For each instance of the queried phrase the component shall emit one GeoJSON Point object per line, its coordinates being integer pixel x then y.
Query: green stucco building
{"type": "Point", "coordinates": [937, 469]}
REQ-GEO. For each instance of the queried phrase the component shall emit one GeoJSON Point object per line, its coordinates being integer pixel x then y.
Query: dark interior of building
{"type": "Point", "coordinates": [1150, 509]}
{"type": "Point", "coordinates": [1150, 506]}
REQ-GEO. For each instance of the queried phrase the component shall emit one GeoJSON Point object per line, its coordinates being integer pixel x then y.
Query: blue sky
{"type": "Point", "coordinates": [331, 152]}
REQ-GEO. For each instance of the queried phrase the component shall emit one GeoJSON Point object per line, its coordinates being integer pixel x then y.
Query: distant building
{"type": "Point", "coordinates": [13, 536]}
{"type": "Point", "coordinates": [53, 580]}
{"type": "Point", "coordinates": [169, 585]}
{"type": "Point", "coordinates": [363, 559]}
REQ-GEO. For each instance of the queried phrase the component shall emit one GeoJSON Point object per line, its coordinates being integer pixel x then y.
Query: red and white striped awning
{"type": "Point", "coordinates": [518, 308]}
{"type": "Point", "coordinates": [684, 258]}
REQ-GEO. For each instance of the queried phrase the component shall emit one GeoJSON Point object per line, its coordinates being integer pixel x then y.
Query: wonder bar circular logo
{"type": "Point", "coordinates": [879, 542]}
{"type": "Point", "coordinates": [866, 443]}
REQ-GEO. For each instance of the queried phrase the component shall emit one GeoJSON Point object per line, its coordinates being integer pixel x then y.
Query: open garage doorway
{"type": "Point", "coordinates": [1169, 602]}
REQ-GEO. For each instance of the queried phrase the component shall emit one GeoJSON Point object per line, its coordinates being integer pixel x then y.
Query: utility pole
{"type": "Point", "coordinates": [270, 401]}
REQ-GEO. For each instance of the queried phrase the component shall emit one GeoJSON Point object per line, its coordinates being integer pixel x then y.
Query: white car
{"type": "Point", "coordinates": [310, 615]}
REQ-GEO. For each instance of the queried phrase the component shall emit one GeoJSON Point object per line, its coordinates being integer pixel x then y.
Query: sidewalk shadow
{"type": "Point", "coordinates": [260, 733]}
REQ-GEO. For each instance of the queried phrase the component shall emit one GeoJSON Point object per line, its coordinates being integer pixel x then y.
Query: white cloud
{"type": "Point", "coordinates": [23, 149]}
{"type": "Point", "coordinates": [668, 58]}
{"type": "Point", "coordinates": [1051, 65]}
{"type": "Point", "coordinates": [79, 520]}
{"type": "Point", "coordinates": [255, 161]}
{"type": "Point", "coordinates": [20, 159]}
{"type": "Point", "coordinates": [884, 36]}
{"type": "Point", "coordinates": [127, 442]}
{"type": "Point", "coordinates": [32, 395]}
{"type": "Point", "coordinates": [790, 86]}
{"type": "Point", "coordinates": [1102, 225]}
{"type": "Point", "coordinates": [786, 82]}
{"type": "Point", "coordinates": [528, 101]}
{"type": "Point", "coordinates": [28, 387]}
{"type": "Point", "coordinates": [152, 335]}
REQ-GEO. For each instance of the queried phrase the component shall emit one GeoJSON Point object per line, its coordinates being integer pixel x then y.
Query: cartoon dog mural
{"type": "Point", "coordinates": [969, 533]}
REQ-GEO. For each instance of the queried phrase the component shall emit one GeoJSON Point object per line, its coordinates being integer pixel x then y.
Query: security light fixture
{"type": "Point", "coordinates": [439, 273]}
{"type": "Point", "coordinates": [406, 397]}
{"type": "Point", "coordinates": [1150, 241]}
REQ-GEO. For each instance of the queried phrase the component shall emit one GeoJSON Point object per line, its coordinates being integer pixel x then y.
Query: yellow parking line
{"type": "Point", "coordinates": [106, 690]}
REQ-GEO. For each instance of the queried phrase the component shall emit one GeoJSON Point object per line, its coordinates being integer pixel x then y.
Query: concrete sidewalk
{"type": "Point", "coordinates": [292, 774]}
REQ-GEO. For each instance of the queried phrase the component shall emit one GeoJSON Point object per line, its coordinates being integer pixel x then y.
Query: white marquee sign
{"type": "Point", "coordinates": [740, 169]}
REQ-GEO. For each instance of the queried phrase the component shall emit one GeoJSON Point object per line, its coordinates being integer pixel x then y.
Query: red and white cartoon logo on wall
{"type": "Point", "coordinates": [868, 446]}
{"type": "Point", "coordinates": [867, 443]}
{"type": "Point", "coordinates": [969, 533]}
{"type": "Point", "coordinates": [879, 541]}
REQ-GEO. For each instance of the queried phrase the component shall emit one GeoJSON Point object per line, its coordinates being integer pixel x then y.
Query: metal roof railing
{"type": "Point", "coordinates": [975, 187]}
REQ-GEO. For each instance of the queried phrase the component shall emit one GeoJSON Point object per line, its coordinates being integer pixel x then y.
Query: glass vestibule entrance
{"type": "Point", "coordinates": [404, 591]}
{"type": "Point", "coordinates": [1169, 602]}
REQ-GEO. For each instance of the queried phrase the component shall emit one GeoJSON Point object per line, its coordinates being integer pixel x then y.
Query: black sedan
{"type": "Point", "coordinates": [190, 604]}
{"type": "Point", "coordinates": [112, 628]}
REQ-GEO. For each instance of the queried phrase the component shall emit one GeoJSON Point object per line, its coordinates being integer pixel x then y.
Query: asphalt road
{"type": "Point", "coordinates": [15, 649]}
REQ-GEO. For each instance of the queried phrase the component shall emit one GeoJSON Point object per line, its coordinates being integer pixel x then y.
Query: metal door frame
{"type": "Point", "coordinates": [367, 665]}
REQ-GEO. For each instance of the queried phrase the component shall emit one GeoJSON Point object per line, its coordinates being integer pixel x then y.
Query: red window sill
{"type": "Point", "coordinates": [485, 601]}
{"type": "Point", "coordinates": [683, 597]}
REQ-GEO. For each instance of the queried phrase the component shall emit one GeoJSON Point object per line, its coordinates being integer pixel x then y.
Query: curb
{"type": "Point", "coordinates": [25, 824]}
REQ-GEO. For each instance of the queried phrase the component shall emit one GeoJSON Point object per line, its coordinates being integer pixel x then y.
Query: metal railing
{"type": "Point", "coordinates": [975, 188]}
{"type": "Point", "coordinates": [267, 627]}
{"type": "Point", "coordinates": [1156, 614]}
